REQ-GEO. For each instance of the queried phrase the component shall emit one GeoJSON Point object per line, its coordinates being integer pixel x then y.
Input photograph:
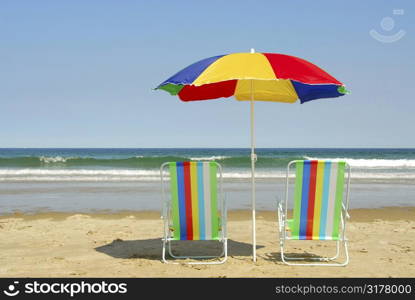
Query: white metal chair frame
{"type": "Point", "coordinates": [282, 214]}
{"type": "Point", "coordinates": [167, 218]}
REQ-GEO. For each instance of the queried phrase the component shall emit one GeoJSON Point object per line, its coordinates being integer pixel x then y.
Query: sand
{"type": "Point", "coordinates": [127, 244]}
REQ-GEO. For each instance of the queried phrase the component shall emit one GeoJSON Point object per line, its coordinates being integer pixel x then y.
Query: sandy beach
{"type": "Point", "coordinates": [127, 244]}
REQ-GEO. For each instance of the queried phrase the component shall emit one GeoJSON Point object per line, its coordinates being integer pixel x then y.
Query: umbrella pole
{"type": "Point", "coordinates": [253, 159]}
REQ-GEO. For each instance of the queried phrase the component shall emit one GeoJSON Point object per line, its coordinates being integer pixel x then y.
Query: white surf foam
{"type": "Point", "coordinates": [354, 175]}
{"type": "Point", "coordinates": [154, 175]}
{"type": "Point", "coordinates": [209, 158]}
{"type": "Point", "coordinates": [80, 172]}
{"type": "Point", "coordinates": [78, 175]}
{"type": "Point", "coordinates": [56, 159]}
{"type": "Point", "coordinates": [372, 163]}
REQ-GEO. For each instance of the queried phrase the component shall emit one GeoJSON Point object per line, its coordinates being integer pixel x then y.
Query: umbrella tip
{"type": "Point", "coordinates": [252, 50]}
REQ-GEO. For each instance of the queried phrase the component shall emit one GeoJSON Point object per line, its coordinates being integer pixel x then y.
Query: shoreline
{"type": "Point", "coordinates": [114, 197]}
{"type": "Point", "coordinates": [390, 213]}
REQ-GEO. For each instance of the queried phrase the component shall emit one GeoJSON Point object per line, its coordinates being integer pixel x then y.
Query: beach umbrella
{"type": "Point", "coordinates": [253, 77]}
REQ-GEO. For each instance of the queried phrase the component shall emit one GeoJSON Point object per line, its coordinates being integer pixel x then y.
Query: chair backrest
{"type": "Point", "coordinates": [318, 197]}
{"type": "Point", "coordinates": [194, 194]}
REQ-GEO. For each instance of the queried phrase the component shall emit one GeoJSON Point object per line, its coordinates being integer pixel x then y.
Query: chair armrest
{"type": "Point", "coordinates": [279, 204]}
{"type": "Point", "coordinates": [345, 212]}
{"type": "Point", "coordinates": [280, 214]}
{"type": "Point", "coordinates": [165, 209]}
{"type": "Point", "coordinates": [279, 208]}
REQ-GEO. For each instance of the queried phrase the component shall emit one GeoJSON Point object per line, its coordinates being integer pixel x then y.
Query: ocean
{"type": "Point", "coordinates": [99, 179]}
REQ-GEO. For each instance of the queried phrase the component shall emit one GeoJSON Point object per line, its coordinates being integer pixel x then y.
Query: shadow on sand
{"type": "Point", "coordinates": [151, 248]}
{"type": "Point", "coordinates": [276, 256]}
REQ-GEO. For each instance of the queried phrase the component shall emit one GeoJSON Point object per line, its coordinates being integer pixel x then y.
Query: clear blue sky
{"type": "Point", "coordinates": [81, 73]}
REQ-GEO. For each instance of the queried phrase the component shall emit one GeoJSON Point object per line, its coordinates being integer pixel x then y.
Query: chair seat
{"type": "Point", "coordinates": [290, 225]}
{"type": "Point", "coordinates": [176, 237]}
{"type": "Point", "coordinates": [212, 239]}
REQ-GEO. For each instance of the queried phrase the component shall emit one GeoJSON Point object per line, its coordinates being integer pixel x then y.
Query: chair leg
{"type": "Point", "coordinates": [164, 239]}
{"type": "Point", "coordinates": [337, 252]}
{"type": "Point", "coordinates": [225, 251]}
{"type": "Point", "coordinates": [346, 252]}
{"type": "Point", "coordinates": [164, 252]}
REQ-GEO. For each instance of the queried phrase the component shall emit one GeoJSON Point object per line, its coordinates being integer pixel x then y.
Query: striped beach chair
{"type": "Point", "coordinates": [320, 208]}
{"type": "Point", "coordinates": [196, 209]}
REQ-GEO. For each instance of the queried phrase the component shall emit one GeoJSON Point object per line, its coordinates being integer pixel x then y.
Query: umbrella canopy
{"type": "Point", "coordinates": [276, 77]}
{"type": "Point", "coordinates": [254, 77]}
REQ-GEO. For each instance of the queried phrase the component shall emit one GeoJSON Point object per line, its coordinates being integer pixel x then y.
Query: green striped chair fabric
{"type": "Point", "coordinates": [194, 191]}
{"type": "Point", "coordinates": [318, 197]}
